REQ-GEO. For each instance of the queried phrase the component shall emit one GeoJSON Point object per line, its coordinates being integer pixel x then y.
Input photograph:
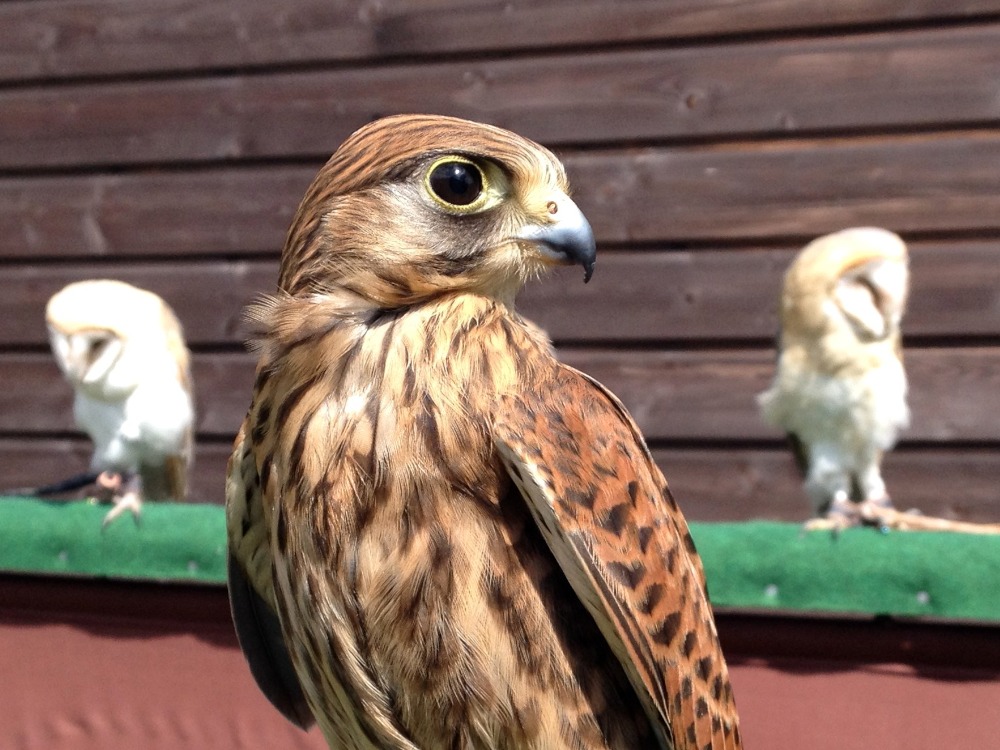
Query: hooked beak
{"type": "Point", "coordinates": [566, 238]}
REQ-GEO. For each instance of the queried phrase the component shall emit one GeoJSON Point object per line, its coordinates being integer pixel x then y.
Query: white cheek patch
{"type": "Point", "coordinates": [102, 366]}
{"type": "Point", "coordinates": [61, 348]}
{"type": "Point", "coordinates": [892, 280]}
{"type": "Point", "coordinates": [858, 306]}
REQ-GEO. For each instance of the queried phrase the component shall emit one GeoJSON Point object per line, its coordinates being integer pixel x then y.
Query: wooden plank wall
{"type": "Point", "coordinates": [167, 143]}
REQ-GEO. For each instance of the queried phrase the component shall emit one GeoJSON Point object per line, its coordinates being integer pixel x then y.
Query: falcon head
{"type": "Point", "coordinates": [412, 206]}
{"type": "Point", "coordinates": [107, 334]}
{"type": "Point", "coordinates": [854, 282]}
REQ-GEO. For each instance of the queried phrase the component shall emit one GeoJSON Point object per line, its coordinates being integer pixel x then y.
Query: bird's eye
{"type": "Point", "coordinates": [458, 184]}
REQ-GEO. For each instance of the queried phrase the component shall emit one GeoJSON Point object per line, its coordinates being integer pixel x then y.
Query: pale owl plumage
{"type": "Point", "coordinates": [840, 387]}
{"type": "Point", "coordinates": [122, 350]}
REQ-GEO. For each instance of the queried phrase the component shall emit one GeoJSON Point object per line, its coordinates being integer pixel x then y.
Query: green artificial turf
{"type": "Point", "coordinates": [754, 565]}
{"type": "Point", "coordinates": [173, 542]}
{"type": "Point", "coordinates": [763, 565]}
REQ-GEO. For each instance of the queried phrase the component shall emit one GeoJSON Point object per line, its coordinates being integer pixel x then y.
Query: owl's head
{"type": "Point", "coordinates": [854, 280]}
{"type": "Point", "coordinates": [415, 205]}
{"type": "Point", "coordinates": [107, 334]}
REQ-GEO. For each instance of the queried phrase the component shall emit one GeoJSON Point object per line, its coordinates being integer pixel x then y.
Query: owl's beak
{"type": "Point", "coordinates": [566, 237]}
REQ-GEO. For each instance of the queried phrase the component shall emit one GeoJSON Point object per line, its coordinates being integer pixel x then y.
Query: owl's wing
{"type": "Point", "coordinates": [166, 480]}
{"type": "Point", "coordinates": [800, 452]}
{"type": "Point", "coordinates": [608, 517]}
{"type": "Point", "coordinates": [251, 590]}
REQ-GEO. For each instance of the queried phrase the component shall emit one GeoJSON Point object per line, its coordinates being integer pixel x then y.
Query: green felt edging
{"type": "Point", "coordinates": [755, 565]}
{"type": "Point", "coordinates": [764, 565]}
{"type": "Point", "coordinates": [172, 542]}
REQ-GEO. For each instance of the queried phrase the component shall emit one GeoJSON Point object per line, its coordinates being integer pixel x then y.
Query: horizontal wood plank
{"type": "Point", "coordinates": [711, 395]}
{"type": "Point", "coordinates": [674, 396]}
{"type": "Point", "coordinates": [711, 485]}
{"type": "Point", "coordinates": [208, 297]}
{"type": "Point", "coordinates": [913, 79]}
{"type": "Point", "coordinates": [635, 297]}
{"type": "Point", "coordinates": [746, 192]}
{"type": "Point", "coordinates": [736, 484]}
{"type": "Point", "coordinates": [229, 211]}
{"type": "Point", "coordinates": [918, 184]}
{"type": "Point", "coordinates": [70, 38]}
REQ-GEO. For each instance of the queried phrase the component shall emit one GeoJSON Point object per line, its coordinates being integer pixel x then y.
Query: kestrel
{"type": "Point", "coordinates": [122, 349]}
{"type": "Point", "coordinates": [440, 536]}
{"type": "Point", "coordinates": [840, 387]}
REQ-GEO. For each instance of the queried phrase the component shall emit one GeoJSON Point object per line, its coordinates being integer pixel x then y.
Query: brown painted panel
{"type": "Point", "coordinates": [711, 484]}
{"type": "Point", "coordinates": [792, 704]}
{"type": "Point", "coordinates": [91, 37]}
{"type": "Point", "coordinates": [131, 673]}
{"type": "Point", "coordinates": [641, 296]}
{"type": "Point", "coordinates": [741, 193]}
{"type": "Point", "coordinates": [911, 79]}
{"type": "Point", "coordinates": [117, 666]}
{"type": "Point", "coordinates": [673, 395]}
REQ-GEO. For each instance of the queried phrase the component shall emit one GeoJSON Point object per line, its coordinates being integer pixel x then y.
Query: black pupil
{"type": "Point", "coordinates": [456, 182]}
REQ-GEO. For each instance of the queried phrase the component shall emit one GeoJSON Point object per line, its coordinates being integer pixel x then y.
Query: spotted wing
{"type": "Point", "coordinates": [608, 517]}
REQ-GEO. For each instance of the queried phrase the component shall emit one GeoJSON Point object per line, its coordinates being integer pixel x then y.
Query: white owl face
{"type": "Point", "coordinates": [86, 357]}
{"type": "Point", "coordinates": [872, 296]}
{"type": "Point", "coordinates": [108, 337]}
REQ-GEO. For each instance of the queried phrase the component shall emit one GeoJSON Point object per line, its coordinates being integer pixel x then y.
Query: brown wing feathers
{"type": "Point", "coordinates": [613, 508]}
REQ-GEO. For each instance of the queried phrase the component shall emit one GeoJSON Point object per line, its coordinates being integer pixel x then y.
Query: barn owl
{"type": "Point", "coordinates": [122, 350]}
{"type": "Point", "coordinates": [439, 535]}
{"type": "Point", "coordinates": [840, 387]}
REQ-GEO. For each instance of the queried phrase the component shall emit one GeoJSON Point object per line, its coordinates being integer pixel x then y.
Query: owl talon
{"type": "Point", "coordinates": [127, 497]}
{"type": "Point", "coordinates": [834, 522]}
{"type": "Point", "coordinates": [840, 514]}
{"type": "Point", "coordinates": [130, 501]}
{"type": "Point", "coordinates": [877, 511]}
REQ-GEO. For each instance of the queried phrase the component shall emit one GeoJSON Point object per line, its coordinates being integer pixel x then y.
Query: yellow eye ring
{"type": "Point", "coordinates": [457, 184]}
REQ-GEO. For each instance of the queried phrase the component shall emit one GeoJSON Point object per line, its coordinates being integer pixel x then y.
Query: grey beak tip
{"type": "Point", "coordinates": [588, 271]}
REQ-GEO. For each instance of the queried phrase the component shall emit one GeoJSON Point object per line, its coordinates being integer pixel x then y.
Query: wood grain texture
{"type": "Point", "coordinates": [731, 484]}
{"type": "Point", "coordinates": [954, 393]}
{"type": "Point", "coordinates": [711, 484]}
{"type": "Point", "coordinates": [802, 86]}
{"type": "Point", "coordinates": [228, 211]}
{"type": "Point", "coordinates": [168, 143]}
{"type": "Point", "coordinates": [936, 182]}
{"type": "Point", "coordinates": [710, 295]}
{"type": "Point", "coordinates": [741, 192]}
{"type": "Point", "coordinates": [209, 297]}
{"type": "Point", "coordinates": [127, 37]}
{"type": "Point", "coordinates": [35, 398]}
{"type": "Point", "coordinates": [673, 395]}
